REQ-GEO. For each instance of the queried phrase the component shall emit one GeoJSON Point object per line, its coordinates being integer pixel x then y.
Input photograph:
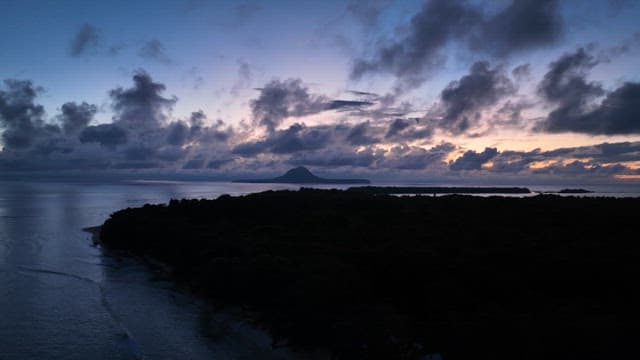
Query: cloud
{"type": "Point", "coordinates": [75, 117]}
{"type": "Point", "coordinates": [154, 50]}
{"type": "Point", "coordinates": [522, 25]}
{"type": "Point", "coordinates": [403, 130]}
{"type": "Point", "coordinates": [400, 157]}
{"type": "Point", "coordinates": [565, 82]}
{"type": "Point", "coordinates": [346, 105]}
{"type": "Point", "coordinates": [86, 40]}
{"type": "Point", "coordinates": [105, 134]}
{"type": "Point", "coordinates": [362, 134]}
{"type": "Point", "coordinates": [279, 100]}
{"type": "Point", "coordinates": [298, 137]}
{"type": "Point", "coordinates": [405, 157]}
{"type": "Point", "coordinates": [580, 168]}
{"type": "Point", "coordinates": [21, 119]}
{"type": "Point", "coordinates": [566, 86]}
{"type": "Point", "coordinates": [142, 133]}
{"type": "Point", "coordinates": [418, 51]}
{"type": "Point", "coordinates": [472, 160]}
{"type": "Point", "coordinates": [463, 100]}
{"type": "Point", "coordinates": [339, 156]}
{"type": "Point", "coordinates": [141, 107]}
{"type": "Point", "coordinates": [415, 54]}
{"type": "Point", "coordinates": [597, 160]}
{"type": "Point", "coordinates": [397, 126]}
{"type": "Point", "coordinates": [617, 114]}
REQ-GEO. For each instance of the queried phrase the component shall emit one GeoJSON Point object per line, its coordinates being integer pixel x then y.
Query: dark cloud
{"type": "Point", "coordinates": [613, 152]}
{"type": "Point", "coordinates": [418, 51]}
{"type": "Point", "coordinates": [521, 25]}
{"type": "Point", "coordinates": [464, 99]}
{"type": "Point", "coordinates": [178, 133]}
{"type": "Point", "coordinates": [599, 159]}
{"type": "Point", "coordinates": [472, 160]}
{"type": "Point", "coordinates": [154, 50]}
{"type": "Point", "coordinates": [403, 130]}
{"type": "Point", "coordinates": [144, 135]}
{"type": "Point", "coordinates": [580, 168]}
{"type": "Point", "coordinates": [603, 153]}
{"type": "Point", "coordinates": [20, 117]}
{"type": "Point", "coordinates": [405, 157]}
{"type": "Point", "coordinates": [141, 107]}
{"type": "Point", "coordinates": [297, 137]}
{"type": "Point", "coordinates": [141, 134]}
{"type": "Point", "coordinates": [197, 163]}
{"type": "Point", "coordinates": [618, 113]}
{"type": "Point", "coordinates": [75, 117]}
{"type": "Point", "coordinates": [281, 99]}
{"type": "Point", "coordinates": [347, 104]}
{"type": "Point", "coordinates": [397, 126]}
{"type": "Point", "coordinates": [339, 156]}
{"type": "Point", "coordinates": [362, 134]}
{"type": "Point", "coordinates": [105, 134]}
{"type": "Point", "coordinates": [85, 41]}
{"type": "Point", "coordinates": [139, 153]}
{"type": "Point", "coordinates": [566, 85]}
{"type": "Point", "coordinates": [365, 96]}
{"type": "Point", "coordinates": [218, 163]}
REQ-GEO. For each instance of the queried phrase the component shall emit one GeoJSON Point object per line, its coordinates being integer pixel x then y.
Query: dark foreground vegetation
{"type": "Point", "coordinates": [384, 277]}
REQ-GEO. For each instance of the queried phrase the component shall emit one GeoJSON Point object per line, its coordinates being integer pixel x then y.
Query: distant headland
{"type": "Point", "coordinates": [302, 175]}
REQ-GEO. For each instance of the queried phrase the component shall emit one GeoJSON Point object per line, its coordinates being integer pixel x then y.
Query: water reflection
{"type": "Point", "coordinates": [60, 297]}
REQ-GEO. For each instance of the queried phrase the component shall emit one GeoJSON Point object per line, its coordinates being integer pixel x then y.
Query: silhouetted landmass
{"type": "Point", "coordinates": [399, 190]}
{"type": "Point", "coordinates": [370, 276]}
{"type": "Point", "coordinates": [302, 175]}
{"type": "Point", "coordinates": [574, 191]}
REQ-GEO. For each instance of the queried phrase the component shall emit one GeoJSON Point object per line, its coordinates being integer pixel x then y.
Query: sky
{"type": "Point", "coordinates": [436, 90]}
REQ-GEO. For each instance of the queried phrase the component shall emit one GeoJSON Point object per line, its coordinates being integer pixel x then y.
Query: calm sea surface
{"type": "Point", "coordinates": [62, 298]}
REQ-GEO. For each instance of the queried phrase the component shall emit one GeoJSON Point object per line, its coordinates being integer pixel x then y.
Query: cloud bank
{"type": "Point", "coordinates": [143, 134]}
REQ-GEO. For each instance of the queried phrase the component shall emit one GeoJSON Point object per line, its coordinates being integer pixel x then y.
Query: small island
{"type": "Point", "coordinates": [302, 175]}
{"type": "Point", "coordinates": [574, 191]}
{"type": "Point", "coordinates": [373, 276]}
{"type": "Point", "coordinates": [418, 190]}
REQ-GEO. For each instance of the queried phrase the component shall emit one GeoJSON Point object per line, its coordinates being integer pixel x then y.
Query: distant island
{"type": "Point", "coordinates": [574, 191]}
{"type": "Point", "coordinates": [567, 191]}
{"type": "Point", "coordinates": [405, 190]}
{"type": "Point", "coordinates": [302, 175]}
{"type": "Point", "coordinates": [364, 275]}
